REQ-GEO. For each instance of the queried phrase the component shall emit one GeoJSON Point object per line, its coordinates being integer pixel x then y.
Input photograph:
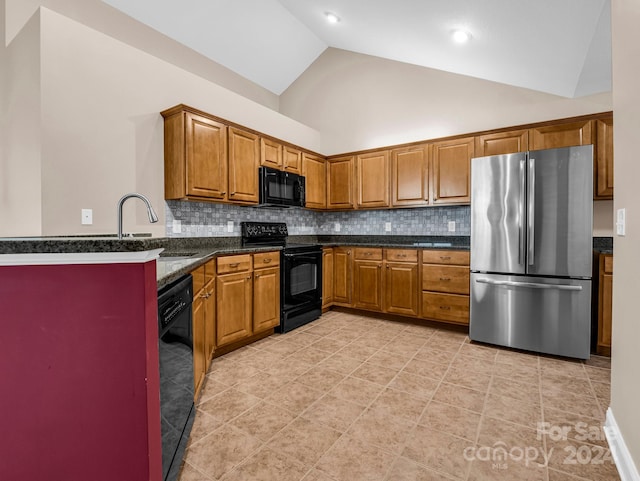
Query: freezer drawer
{"type": "Point", "coordinates": [538, 314]}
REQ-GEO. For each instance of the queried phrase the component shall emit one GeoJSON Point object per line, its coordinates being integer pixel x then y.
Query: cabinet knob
{"type": "Point", "coordinates": [257, 276]}
{"type": "Point", "coordinates": [348, 253]}
{"type": "Point", "coordinates": [379, 266]}
{"type": "Point", "coordinates": [446, 308]}
{"type": "Point", "coordinates": [445, 279]}
{"type": "Point", "coordinates": [248, 278]}
{"type": "Point", "coordinates": [234, 265]}
{"type": "Point", "coordinates": [445, 258]}
{"type": "Point", "coordinates": [223, 192]}
{"type": "Point", "coordinates": [387, 266]}
{"type": "Point", "coordinates": [233, 193]}
{"type": "Point", "coordinates": [267, 260]}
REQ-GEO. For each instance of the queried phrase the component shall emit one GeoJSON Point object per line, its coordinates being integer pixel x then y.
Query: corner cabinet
{"type": "Point", "coordinates": [451, 178]}
{"type": "Point", "coordinates": [195, 164]}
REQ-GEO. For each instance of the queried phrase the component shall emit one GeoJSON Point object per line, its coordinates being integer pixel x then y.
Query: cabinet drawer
{"type": "Point", "coordinates": [443, 278]}
{"type": "Point", "coordinates": [608, 264]}
{"type": "Point", "coordinates": [459, 258]}
{"type": "Point", "coordinates": [229, 264]}
{"type": "Point", "coordinates": [445, 307]}
{"type": "Point", "coordinates": [368, 254]}
{"type": "Point", "coordinates": [401, 255]}
{"type": "Point", "coordinates": [266, 259]}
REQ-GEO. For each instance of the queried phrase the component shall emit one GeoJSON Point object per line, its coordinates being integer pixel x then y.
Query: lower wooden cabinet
{"type": "Point", "coordinates": [401, 288]}
{"type": "Point", "coordinates": [342, 272]}
{"type": "Point", "coordinates": [367, 285]}
{"type": "Point", "coordinates": [327, 277]}
{"type": "Point", "coordinates": [199, 355]}
{"type": "Point", "coordinates": [266, 299]}
{"type": "Point", "coordinates": [234, 295]}
{"type": "Point", "coordinates": [248, 301]}
{"type": "Point", "coordinates": [204, 318]}
{"type": "Point", "coordinates": [605, 304]}
{"type": "Point", "coordinates": [445, 286]}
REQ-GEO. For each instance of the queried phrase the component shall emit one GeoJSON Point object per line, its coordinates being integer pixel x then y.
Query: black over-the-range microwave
{"type": "Point", "coordinates": [280, 189]}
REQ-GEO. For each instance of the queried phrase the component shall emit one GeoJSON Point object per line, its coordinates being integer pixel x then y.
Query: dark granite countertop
{"type": "Point", "coordinates": [604, 245]}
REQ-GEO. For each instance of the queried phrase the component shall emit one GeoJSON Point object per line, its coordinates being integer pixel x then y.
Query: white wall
{"type": "Point", "coordinates": [102, 134]}
{"type": "Point", "coordinates": [359, 102]}
{"type": "Point", "coordinates": [20, 132]}
{"type": "Point", "coordinates": [625, 384]}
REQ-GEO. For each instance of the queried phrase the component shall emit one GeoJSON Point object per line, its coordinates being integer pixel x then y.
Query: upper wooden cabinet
{"type": "Point", "coordinates": [451, 177]}
{"type": "Point", "coordinates": [195, 164]}
{"type": "Point", "coordinates": [340, 189]}
{"type": "Point", "coordinates": [561, 135]}
{"type": "Point", "coordinates": [270, 153]}
{"type": "Point", "coordinates": [372, 179]}
{"type": "Point", "coordinates": [603, 165]}
{"type": "Point", "coordinates": [244, 153]}
{"type": "Point", "coordinates": [502, 143]}
{"type": "Point", "coordinates": [291, 160]}
{"type": "Point", "coordinates": [313, 168]}
{"type": "Point", "coordinates": [410, 176]}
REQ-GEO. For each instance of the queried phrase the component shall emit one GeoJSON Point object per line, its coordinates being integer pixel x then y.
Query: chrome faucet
{"type": "Point", "coordinates": [153, 217]}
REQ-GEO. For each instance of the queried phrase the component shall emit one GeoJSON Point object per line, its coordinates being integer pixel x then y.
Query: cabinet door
{"type": "Point", "coordinates": [605, 304]}
{"type": "Point", "coordinates": [367, 285]}
{"type": "Point", "coordinates": [561, 135]}
{"type": "Point", "coordinates": [315, 174]}
{"type": "Point", "coordinates": [451, 179]}
{"type": "Point", "coordinates": [342, 266]}
{"type": "Point", "coordinates": [401, 288]}
{"type": "Point", "coordinates": [209, 322]}
{"type": "Point", "coordinates": [372, 179]}
{"type": "Point", "coordinates": [206, 151]}
{"type": "Point", "coordinates": [603, 177]}
{"type": "Point", "coordinates": [327, 276]}
{"type": "Point", "coordinates": [266, 299]}
{"type": "Point", "coordinates": [199, 357]}
{"type": "Point", "coordinates": [244, 152]}
{"type": "Point", "coordinates": [270, 153]}
{"type": "Point", "coordinates": [502, 143]}
{"type": "Point", "coordinates": [410, 176]}
{"type": "Point", "coordinates": [292, 160]}
{"type": "Point", "coordinates": [233, 307]}
{"type": "Point", "coordinates": [340, 183]}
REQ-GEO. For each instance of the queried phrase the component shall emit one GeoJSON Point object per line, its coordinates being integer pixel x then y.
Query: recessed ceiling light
{"type": "Point", "coordinates": [460, 36]}
{"type": "Point", "coordinates": [331, 17]}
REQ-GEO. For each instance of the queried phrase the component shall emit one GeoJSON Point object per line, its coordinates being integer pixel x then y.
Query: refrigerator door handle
{"type": "Point", "coordinates": [532, 211]}
{"type": "Point", "coordinates": [533, 285]}
{"type": "Point", "coordinates": [521, 237]}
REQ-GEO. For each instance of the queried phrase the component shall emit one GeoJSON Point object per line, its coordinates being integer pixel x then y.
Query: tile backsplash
{"type": "Point", "coordinates": [203, 219]}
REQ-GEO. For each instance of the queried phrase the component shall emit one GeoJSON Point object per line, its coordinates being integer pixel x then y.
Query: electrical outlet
{"type": "Point", "coordinates": [387, 226]}
{"type": "Point", "coordinates": [620, 222]}
{"type": "Point", "coordinates": [452, 226]}
{"type": "Point", "coordinates": [229, 226]}
{"type": "Point", "coordinates": [87, 216]}
{"type": "Point", "coordinates": [177, 226]}
{"type": "Point", "coordinates": [336, 226]}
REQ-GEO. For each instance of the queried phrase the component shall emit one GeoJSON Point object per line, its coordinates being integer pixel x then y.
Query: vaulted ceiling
{"type": "Point", "coordinates": [562, 47]}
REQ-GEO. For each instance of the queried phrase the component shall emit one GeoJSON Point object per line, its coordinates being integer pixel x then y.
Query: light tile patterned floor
{"type": "Point", "coordinates": [353, 398]}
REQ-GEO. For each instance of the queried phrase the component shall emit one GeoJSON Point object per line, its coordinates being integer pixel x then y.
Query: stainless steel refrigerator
{"type": "Point", "coordinates": [531, 250]}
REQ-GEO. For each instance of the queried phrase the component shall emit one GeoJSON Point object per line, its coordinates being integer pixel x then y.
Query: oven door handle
{"type": "Point", "coordinates": [304, 257]}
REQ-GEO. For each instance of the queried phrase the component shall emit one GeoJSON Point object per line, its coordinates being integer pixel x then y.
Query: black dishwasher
{"type": "Point", "coordinates": [175, 348]}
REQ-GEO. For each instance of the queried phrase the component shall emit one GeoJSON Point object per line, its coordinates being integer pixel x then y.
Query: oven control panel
{"type": "Point", "coordinates": [263, 229]}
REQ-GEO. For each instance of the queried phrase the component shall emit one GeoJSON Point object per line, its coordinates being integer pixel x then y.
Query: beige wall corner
{"type": "Point", "coordinates": [625, 385]}
{"type": "Point", "coordinates": [20, 132]}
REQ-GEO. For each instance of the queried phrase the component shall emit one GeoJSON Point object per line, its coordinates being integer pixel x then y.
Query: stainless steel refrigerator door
{"type": "Point", "coordinates": [560, 212]}
{"type": "Point", "coordinates": [498, 230]}
{"type": "Point", "coordinates": [544, 315]}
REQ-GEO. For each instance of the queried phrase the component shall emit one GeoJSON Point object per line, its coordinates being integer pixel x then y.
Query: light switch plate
{"type": "Point", "coordinates": [229, 226]}
{"type": "Point", "coordinates": [387, 226]}
{"type": "Point", "coordinates": [336, 226]}
{"type": "Point", "coordinates": [621, 221]}
{"type": "Point", "coordinates": [87, 217]}
{"type": "Point", "coordinates": [177, 226]}
{"type": "Point", "coordinates": [452, 226]}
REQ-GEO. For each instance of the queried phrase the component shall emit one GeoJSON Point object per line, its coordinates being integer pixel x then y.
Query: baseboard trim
{"type": "Point", "coordinates": [621, 455]}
